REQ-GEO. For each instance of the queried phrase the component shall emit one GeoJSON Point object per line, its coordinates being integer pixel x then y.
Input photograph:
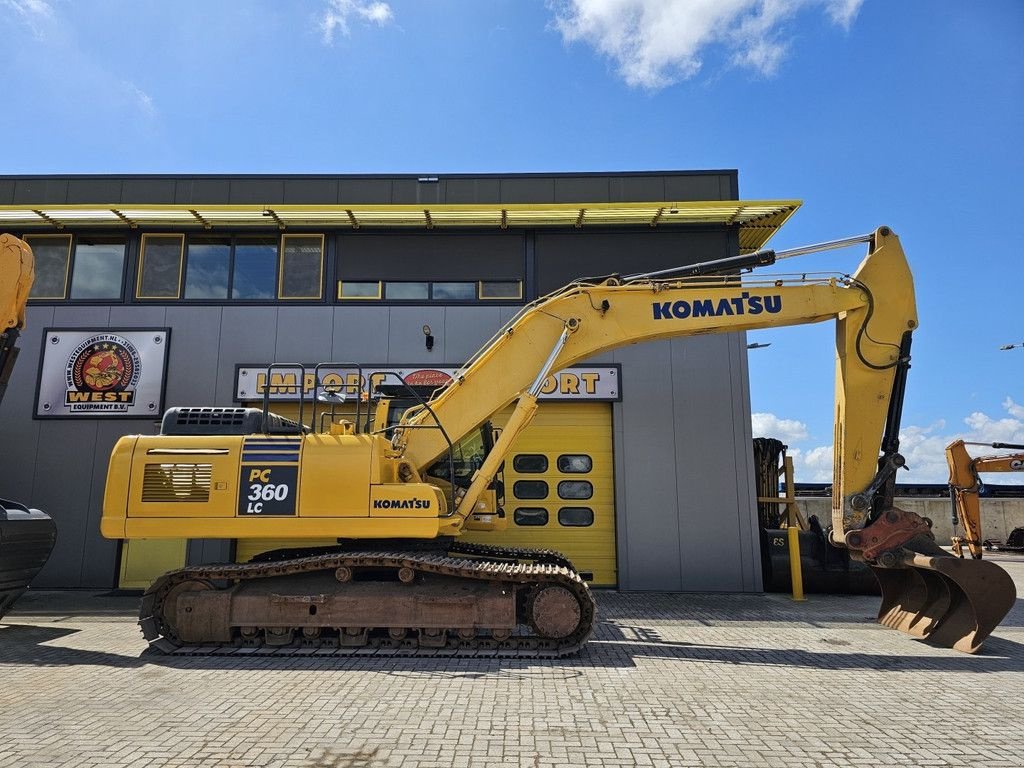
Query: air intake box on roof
{"type": "Point", "coordinates": [224, 421]}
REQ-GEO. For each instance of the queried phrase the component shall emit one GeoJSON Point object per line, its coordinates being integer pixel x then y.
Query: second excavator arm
{"type": "Point", "coordinates": [965, 488]}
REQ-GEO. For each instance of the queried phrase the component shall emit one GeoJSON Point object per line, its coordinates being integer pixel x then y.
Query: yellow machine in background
{"type": "Point", "coordinates": [965, 489]}
{"type": "Point", "coordinates": [27, 535]}
{"type": "Point", "coordinates": [398, 490]}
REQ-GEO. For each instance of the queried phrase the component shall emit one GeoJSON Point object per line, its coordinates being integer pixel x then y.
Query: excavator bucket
{"type": "Point", "coordinates": [27, 537]}
{"type": "Point", "coordinates": [930, 594]}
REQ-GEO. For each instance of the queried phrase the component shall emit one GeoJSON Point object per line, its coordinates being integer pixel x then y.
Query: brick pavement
{"type": "Point", "coordinates": [668, 680]}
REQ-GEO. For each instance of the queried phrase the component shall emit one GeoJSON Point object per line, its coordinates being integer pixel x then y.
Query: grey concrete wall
{"type": "Point", "coordinates": [998, 516]}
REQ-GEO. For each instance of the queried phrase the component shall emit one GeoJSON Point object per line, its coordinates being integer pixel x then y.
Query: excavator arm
{"type": "Point", "coordinates": [925, 592]}
{"type": "Point", "coordinates": [17, 271]}
{"type": "Point", "coordinates": [965, 488]}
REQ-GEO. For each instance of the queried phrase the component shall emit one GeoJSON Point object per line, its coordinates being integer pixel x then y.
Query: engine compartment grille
{"type": "Point", "coordinates": [177, 482]}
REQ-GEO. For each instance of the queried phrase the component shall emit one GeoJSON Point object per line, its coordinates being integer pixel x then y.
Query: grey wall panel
{"type": "Point", "coordinates": [645, 463]}
{"type": "Point", "coordinates": [704, 436]}
{"type": "Point", "coordinates": [304, 334]}
{"type": "Point", "coordinates": [363, 191]}
{"type": "Point", "coordinates": [746, 497]}
{"type": "Point", "coordinates": [581, 189]}
{"type": "Point", "coordinates": [310, 191]}
{"type": "Point", "coordinates": [406, 339]}
{"type": "Point", "coordinates": [202, 191]}
{"type": "Point", "coordinates": [81, 317]}
{"type": "Point", "coordinates": [138, 316]}
{"type": "Point", "coordinates": [40, 191]}
{"type": "Point", "coordinates": [472, 190]}
{"type": "Point", "coordinates": [434, 256]}
{"type": "Point", "coordinates": [202, 551]}
{"type": "Point", "coordinates": [99, 560]}
{"type": "Point", "coordinates": [413, 192]}
{"type": "Point", "coordinates": [259, 191]}
{"type": "Point", "coordinates": [153, 191]}
{"type": "Point", "coordinates": [466, 329]}
{"type": "Point", "coordinates": [247, 335]}
{"type": "Point", "coordinates": [94, 190]}
{"type": "Point", "coordinates": [361, 334]}
{"type": "Point", "coordinates": [19, 432]}
{"type": "Point", "coordinates": [62, 487]}
{"type": "Point", "coordinates": [562, 255]}
{"type": "Point", "coordinates": [6, 191]}
{"type": "Point", "coordinates": [636, 188]}
{"type": "Point", "coordinates": [192, 365]}
{"type": "Point", "coordinates": [528, 190]}
{"type": "Point", "coordinates": [697, 187]}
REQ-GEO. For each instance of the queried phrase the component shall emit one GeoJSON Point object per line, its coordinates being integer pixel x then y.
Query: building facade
{"type": "Point", "coordinates": [639, 462]}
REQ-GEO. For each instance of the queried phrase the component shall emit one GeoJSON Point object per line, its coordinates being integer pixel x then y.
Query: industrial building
{"type": "Point", "coordinates": [191, 285]}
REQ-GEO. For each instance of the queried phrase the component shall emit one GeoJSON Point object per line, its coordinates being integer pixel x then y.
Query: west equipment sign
{"type": "Point", "coordinates": [589, 382]}
{"type": "Point", "coordinates": [102, 373]}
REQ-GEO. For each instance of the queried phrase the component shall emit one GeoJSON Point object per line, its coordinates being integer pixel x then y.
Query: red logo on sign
{"type": "Point", "coordinates": [427, 378]}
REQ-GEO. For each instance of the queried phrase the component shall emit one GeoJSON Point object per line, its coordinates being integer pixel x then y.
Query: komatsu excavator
{"type": "Point", "coordinates": [398, 494]}
{"type": "Point", "coordinates": [965, 491]}
{"type": "Point", "coordinates": [27, 535]}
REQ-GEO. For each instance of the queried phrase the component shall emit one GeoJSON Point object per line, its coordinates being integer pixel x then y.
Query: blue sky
{"type": "Point", "coordinates": [909, 114]}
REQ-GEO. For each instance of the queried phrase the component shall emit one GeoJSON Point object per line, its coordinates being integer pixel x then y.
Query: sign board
{"type": "Point", "coordinates": [583, 382]}
{"type": "Point", "coordinates": [102, 373]}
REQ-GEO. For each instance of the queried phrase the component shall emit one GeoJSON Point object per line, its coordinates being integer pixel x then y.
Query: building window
{"type": "Point", "coordinates": [501, 289]}
{"type": "Point", "coordinates": [530, 462]}
{"type": "Point", "coordinates": [302, 266]}
{"type": "Point", "coordinates": [207, 268]}
{"type": "Point", "coordinates": [160, 263]}
{"type": "Point", "coordinates": [453, 291]}
{"type": "Point", "coordinates": [576, 517]}
{"type": "Point", "coordinates": [530, 489]}
{"type": "Point", "coordinates": [97, 271]}
{"type": "Point", "coordinates": [575, 463]}
{"type": "Point", "coordinates": [530, 516]}
{"type": "Point", "coordinates": [575, 489]}
{"type": "Point", "coordinates": [359, 290]}
{"type": "Point", "coordinates": [407, 291]}
{"type": "Point", "coordinates": [53, 257]}
{"type": "Point", "coordinates": [254, 268]}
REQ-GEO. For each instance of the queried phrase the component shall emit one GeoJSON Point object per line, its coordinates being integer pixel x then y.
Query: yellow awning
{"type": "Point", "coordinates": [758, 220]}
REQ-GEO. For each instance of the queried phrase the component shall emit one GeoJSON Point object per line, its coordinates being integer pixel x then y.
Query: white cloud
{"type": "Point", "coordinates": [36, 14]}
{"type": "Point", "coordinates": [336, 16]}
{"type": "Point", "coordinates": [656, 43]}
{"type": "Point", "coordinates": [770, 425]}
{"type": "Point", "coordinates": [924, 448]}
{"type": "Point", "coordinates": [140, 99]}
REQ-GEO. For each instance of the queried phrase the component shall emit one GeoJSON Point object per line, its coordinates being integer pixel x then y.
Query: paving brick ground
{"type": "Point", "coordinates": [669, 680]}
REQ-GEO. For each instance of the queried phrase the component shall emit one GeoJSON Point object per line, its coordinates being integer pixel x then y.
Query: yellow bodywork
{"type": "Point", "coordinates": [374, 486]}
{"type": "Point", "coordinates": [17, 268]}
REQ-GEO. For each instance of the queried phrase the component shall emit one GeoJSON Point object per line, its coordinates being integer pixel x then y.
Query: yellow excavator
{"type": "Point", "coordinates": [27, 535]}
{"type": "Point", "coordinates": [396, 490]}
{"type": "Point", "coordinates": [965, 492]}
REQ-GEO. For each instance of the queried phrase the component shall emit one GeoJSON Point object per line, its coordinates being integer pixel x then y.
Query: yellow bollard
{"type": "Point", "coordinates": [795, 574]}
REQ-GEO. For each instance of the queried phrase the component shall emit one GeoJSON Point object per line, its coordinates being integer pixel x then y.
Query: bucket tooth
{"type": "Point", "coordinates": [940, 598]}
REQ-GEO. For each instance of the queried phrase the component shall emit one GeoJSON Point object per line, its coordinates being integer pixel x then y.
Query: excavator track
{"type": "Point", "coordinates": [498, 605]}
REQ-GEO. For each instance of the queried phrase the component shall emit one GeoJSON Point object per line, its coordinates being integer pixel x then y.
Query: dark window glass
{"type": "Point", "coordinates": [406, 291]}
{"type": "Point", "coordinates": [98, 268]}
{"type": "Point", "coordinates": [530, 489]}
{"type": "Point", "coordinates": [530, 462]}
{"type": "Point", "coordinates": [453, 291]}
{"type": "Point", "coordinates": [575, 489]}
{"type": "Point", "coordinates": [255, 270]}
{"type": "Point", "coordinates": [51, 256]}
{"type": "Point", "coordinates": [501, 289]}
{"type": "Point", "coordinates": [301, 265]}
{"type": "Point", "coordinates": [160, 276]}
{"type": "Point", "coordinates": [530, 516]}
{"type": "Point", "coordinates": [576, 517]}
{"type": "Point", "coordinates": [347, 290]}
{"type": "Point", "coordinates": [572, 463]}
{"type": "Point", "coordinates": [206, 276]}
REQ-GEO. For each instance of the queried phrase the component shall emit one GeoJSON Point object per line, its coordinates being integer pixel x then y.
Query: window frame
{"type": "Point", "coordinates": [142, 263]}
{"type": "Point", "coordinates": [280, 266]}
{"type": "Point", "coordinates": [26, 236]}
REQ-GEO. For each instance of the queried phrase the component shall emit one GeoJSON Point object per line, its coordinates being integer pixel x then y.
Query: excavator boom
{"type": "Point", "coordinates": [965, 489]}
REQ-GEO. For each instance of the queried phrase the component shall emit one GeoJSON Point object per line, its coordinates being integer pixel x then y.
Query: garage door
{"type": "Point", "coordinates": [559, 490]}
